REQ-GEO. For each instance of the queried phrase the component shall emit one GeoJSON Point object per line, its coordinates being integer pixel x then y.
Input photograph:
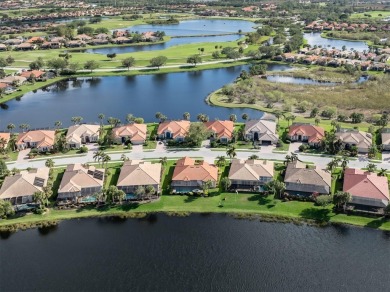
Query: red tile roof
{"type": "Point", "coordinates": [186, 170]}
{"type": "Point", "coordinates": [365, 184]}
{"type": "Point", "coordinates": [314, 133]}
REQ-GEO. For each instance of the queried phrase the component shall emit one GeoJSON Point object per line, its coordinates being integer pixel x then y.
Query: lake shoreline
{"type": "Point", "coordinates": [6, 226]}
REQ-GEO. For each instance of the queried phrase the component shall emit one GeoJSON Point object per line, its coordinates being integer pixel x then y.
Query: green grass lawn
{"type": "Point", "coordinates": [374, 14]}
{"type": "Point", "coordinates": [9, 156]}
{"type": "Point", "coordinates": [150, 145]}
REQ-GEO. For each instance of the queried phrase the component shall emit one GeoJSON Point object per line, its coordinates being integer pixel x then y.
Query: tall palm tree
{"type": "Point", "coordinates": [221, 161]}
{"type": "Point", "coordinates": [49, 163]}
{"type": "Point", "coordinates": [163, 161]}
{"type": "Point", "coordinates": [57, 124]}
{"type": "Point", "coordinates": [186, 116]}
{"type": "Point", "coordinates": [124, 157]}
{"type": "Point", "coordinates": [101, 117]}
{"type": "Point", "coordinates": [206, 185]}
{"type": "Point", "coordinates": [10, 127]}
{"type": "Point", "coordinates": [231, 152]}
{"type": "Point", "coordinates": [344, 162]}
{"type": "Point", "coordinates": [3, 142]}
{"type": "Point", "coordinates": [97, 155]}
{"type": "Point", "coordinates": [105, 159]}
{"type": "Point", "coordinates": [382, 172]}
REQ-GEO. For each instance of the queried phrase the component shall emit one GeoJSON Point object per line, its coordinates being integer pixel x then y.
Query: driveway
{"type": "Point", "coordinates": [386, 156]}
{"type": "Point", "coordinates": [267, 148]}
{"type": "Point", "coordinates": [160, 147]}
{"type": "Point", "coordinates": [294, 147]}
{"type": "Point", "coordinates": [137, 148]}
{"type": "Point", "coordinates": [22, 156]}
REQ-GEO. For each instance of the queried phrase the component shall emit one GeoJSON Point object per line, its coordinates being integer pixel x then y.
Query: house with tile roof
{"type": "Point", "coordinates": [306, 133]}
{"type": "Point", "coordinates": [82, 134]}
{"type": "Point", "coordinates": [367, 188]}
{"type": "Point", "coordinates": [176, 130]}
{"type": "Point", "coordinates": [261, 132]}
{"type": "Point", "coordinates": [188, 175]}
{"type": "Point", "coordinates": [350, 137]}
{"type": "Point", "coordinates": [134, 133]}
{"type": "Point", "coordinates": [4, 139]}
{"type": "Point", "coordinates": [80, 181]}
{"type": "Point", "coordinates": [304, 181]}
{"type": "Point", "coordinates": [20, 188]}
{"type": "Point", "coordinates": [136, 173]}
{"type": "Point", "coordinates": [36, 73]}
{"type": "Point", "coordinates": [42, 140]}
{"type": "Point", "coordinates": [385, 135]}
{"type": "Point", "coordinates": [220, 130]}
{"type": "Point", "coordinates": [250, 174]}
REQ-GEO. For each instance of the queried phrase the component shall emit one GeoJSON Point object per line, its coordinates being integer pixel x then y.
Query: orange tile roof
{"type": "Point", "coordinates": [41, 137]}
{"type": "Point", "coordinates": [37, 73]}
{"type": "Point", "coordinates": [221, 128]}
{"type": "Point", "coordinates": [137, 132]}
{"type": "Point", "coordinates": [186, 170]}
{"type": "Point", "coordinates": [314, 133]}
{"type": "Point", "coordinates": [177, 128]}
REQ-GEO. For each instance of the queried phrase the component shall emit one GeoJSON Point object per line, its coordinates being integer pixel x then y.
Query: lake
{"type": "Point", "coordinates": [116, 96]}
{"type": "Point", "coordinates": [196, 253]}
{"type": "Point", "coordinates": [315, 38]}
{"type": "Point", "coordinates": [199, 30]}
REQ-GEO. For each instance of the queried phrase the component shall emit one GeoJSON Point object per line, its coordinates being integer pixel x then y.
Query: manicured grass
{"type": "Point", "coordinates": [374, 14]}
{"type": "Point", "coordinates": [150, 145]}
{"type": "Point", "coordinates": [9, 156]}
{"type": "Point", "coordinates": [222, 203]}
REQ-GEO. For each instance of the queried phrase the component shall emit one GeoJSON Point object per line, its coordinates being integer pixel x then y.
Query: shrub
{"type": "Point", "coordinates": [303, 147]}
{"type": "Point", "coordinates": [83, 149]}
{"type": "Point", "coordinates": [323, 200]}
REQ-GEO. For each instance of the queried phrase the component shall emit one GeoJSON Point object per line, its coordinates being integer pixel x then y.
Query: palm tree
{"type": "Point", "coordinates": [186, 116]}
{"type": "Point", "coordinates": [163, 161]}
{"type": "Point", "coordinates": [206, 185]}
{"type": "Point", "coordinates": [105, 159]}
{"type": "Point", "coordinates": [278, 114]}
{"type": "Point", "coordinates": [12, 142]}
{"type": "Point", "coordinates": [231, 152]}
{"type": "Point", "coordinates": [57, 124]}
{"type": "Point", "coordinates": [150, 190]}
{"type": "Point", "coordinates": [24, 127]}
{"type": "Point", "coordinates": [225, 183]}
{"type": "Point", "coordinates": [253, 157]}
{"type": "Point", "coordinates": [124, 157]}
{"type": "Point", "coordinates": [344, 162]}
{"type": "Point", "coordinates": [371, 167]}
{"type": "Point", "coordinates": [245, 117]}
{"type": "Point", "coordinates": [333, 163]}
{"type": "Point", "coordinates": [101, 117]}
{"type": "Point", "coordinates": [76, 120]}
{"type": "Point", "coordinates": [382, 172]}
{"type": "Point", "coordinates": [3, 142]}
{"type": "Point", "coordinates": [129, 118]}
{"type": "Point", "coordinates": [98, 155]}
{"type": "Point", "coordinates": [317, 121]}
{"type": "Point", "coordinates": [342, 198]}
{"type": "Point", "coordinates": [276, 187]}
{"type": "Point", "coordinates": [221, 161]}
{"type": "Point", "coordinates": [40, 198]}
{"type": "Point", "coordinates": [140, 192]}
{"type": "Point", "coordinates": [49, 163]}
{"type": "Point", "coordinates": [10, 127]}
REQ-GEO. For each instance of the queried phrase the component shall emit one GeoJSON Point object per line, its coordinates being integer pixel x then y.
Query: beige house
{"type": "Point", "coordinates": [20, 188]}
{"type": "Point", "coordinates": [80, 181]}
{"type": "Point", "coordinates": [189, 176]}
{"type": "Point", "coordinates": [303, 181]}
{"type": "Point", "coordinates": [135, 133]}
{"type": "Point", "coordinates": [40, 139]}
{"type": "Point", "coordinates": [261, 131]}
{"type": "Point", "coordinates": [176, 130]}
{"type": "Point", "coordinates": [82, 134]}
{"type": "Point", "coordinates": [360, 139]}
{"type": "Point", "coordinates": [385, 135]}
{"type": "Point", "coordinates": [250, 174]}
{"type": "Point", "coordinates": [11, 80]}
{"type": "Point", "coordinates": [135, 173]}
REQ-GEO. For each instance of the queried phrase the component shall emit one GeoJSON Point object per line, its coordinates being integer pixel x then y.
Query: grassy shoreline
{"type": "Point", "coordinates": [306, 213]}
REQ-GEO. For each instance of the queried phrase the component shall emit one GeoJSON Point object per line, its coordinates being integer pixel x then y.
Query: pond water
{"type": "Point", "coordinates": [315, 38]}
{"type": "Point", "coordinates": [196, 253]}
{"type": "Point", "coordinates": [307, 81]}
{"type": "Point", "coordinates": [115, 96]}
{"type": "Point", "coordinates": [199, 30]}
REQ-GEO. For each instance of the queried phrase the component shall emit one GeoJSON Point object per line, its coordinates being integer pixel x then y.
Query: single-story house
{"type": "Point", "coordinates": [250, 174]}
{"type": "Point", "coordinates": [306, 133]}
{"type": "Point", "coordinates": [43, 140]}
{"type": "Point", "coordinates": [4, 139]}
{"type": "Point", "coordinates": [136, 173]}
{"type": "Point", "coordinates": [385, 135]}
{"type": "Point", "coordinates": [26, 46]}
{"type": "Point", "coordinates": [135, 133]}
{"type": "Point", "coordinates": [188, 176]}
{"type": "Point", "coordinates": [80, 181]}
{"type": "Point", "coordinates": [360, 139]}
{"type": "Point", "coordinates": [20, 188]}
{"type": "Point", "coordinates": [221, 130]}
{"type": "Point", "coordinates": [3, 47]}
{"type": "Point", "coordinates": [304, 181]}
{"type": "Point", "coordinates": [36, 73]}
{"type": "Point", "coordinates": [176, 130]}
{"type": "Point", "coordinates": [367, 188]}
{"type": "Point", "coordinates": [7, 88]}
{"type": "Point", "coordinates": [13, 42]}
{"type": "Point", "coordinates": [82, 134]}
{"type": "Point", "coordinates": [261, 131]}
{"type": "Point", "coordinates": [19, 80]}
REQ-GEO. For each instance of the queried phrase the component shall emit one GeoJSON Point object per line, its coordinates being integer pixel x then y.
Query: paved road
{"type": "Point", "coordinates": [203, 152]}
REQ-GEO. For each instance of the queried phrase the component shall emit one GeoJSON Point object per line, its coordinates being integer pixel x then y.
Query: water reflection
{"type": "Point", "coordinates": [45, 230]}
